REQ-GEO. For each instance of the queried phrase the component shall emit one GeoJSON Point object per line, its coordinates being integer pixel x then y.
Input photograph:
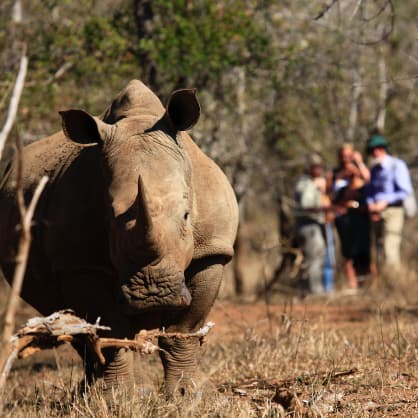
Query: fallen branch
{"type": "Point", "coordinates": [324, 378]}
{"type": "Point", "coordinates": [287, 392]}
{"type": "Point", "coordinates": [61, 327]}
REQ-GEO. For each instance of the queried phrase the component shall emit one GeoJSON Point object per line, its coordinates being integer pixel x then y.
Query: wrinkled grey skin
{"type": "Point", "coordinates": [135, 225]}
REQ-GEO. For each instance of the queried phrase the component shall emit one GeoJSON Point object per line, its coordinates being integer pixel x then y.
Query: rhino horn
{"type": "Point", "coordinates": [143, 207]}
{"type": "Point", "coordinates": [151, 234]}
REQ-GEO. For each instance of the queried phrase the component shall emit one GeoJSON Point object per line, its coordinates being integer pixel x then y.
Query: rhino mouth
{"type": "Point", "coordinates": [144, 293]}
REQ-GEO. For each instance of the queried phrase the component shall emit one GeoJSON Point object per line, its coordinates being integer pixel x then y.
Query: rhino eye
{"type": "Point", "coordinates": [186, 216]}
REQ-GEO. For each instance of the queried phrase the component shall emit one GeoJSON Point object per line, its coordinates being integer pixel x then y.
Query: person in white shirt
{"type": "Point", "coordinates": [310, 219]}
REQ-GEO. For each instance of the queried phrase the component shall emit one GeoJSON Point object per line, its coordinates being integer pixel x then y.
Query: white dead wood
{"type": "Point", "coordinates": [383, 94]}
{"type": "Point", "coordinates": [65, 327]}
{"type": "Point", "coordinates": [14, 102]}
{"type": "Point", "coordinates": [355, 105]}
{"type": "Point", "coordinates": [60, 72]}
{"type": "Point", "coordinates": [17, 12]}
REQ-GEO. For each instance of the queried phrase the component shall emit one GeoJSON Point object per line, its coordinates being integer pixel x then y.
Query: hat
{"type": "Point", "coordinates": [377, 141]}
{"type": "Point", "coordinates": [313, 159]}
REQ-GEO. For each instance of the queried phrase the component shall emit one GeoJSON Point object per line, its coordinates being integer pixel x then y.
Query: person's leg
{"type": "Point", "coordinates": [393, 220]}
{"type": "Point", "coordinates": [350, 273]}
{"type": "Point", "coordinates": [314, 254]}
{"type": "Point", "coordinates": [299, 242]}
{"type": "Point", "coordinates": [373, 273]}
{"type": "Point", "coordinates": [344, 229]}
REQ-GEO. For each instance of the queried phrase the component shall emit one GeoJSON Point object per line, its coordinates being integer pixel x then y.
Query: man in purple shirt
{"type": "Point", "coordinates": [390, 184]}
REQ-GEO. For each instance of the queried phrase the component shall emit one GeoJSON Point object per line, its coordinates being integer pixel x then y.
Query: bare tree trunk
{"type": "Point", "coordinates": [241, 185]}
{"type": "Point", "coordinates": [383, 94]}
{"type": "Point", "coordinates": [239, 262]}
{"type": "Point", "coordinates": [355, 104]}
{"type": "Point", "coordinates": [17, 12]}
{"type": "Point", "coordinates": [143, 16]}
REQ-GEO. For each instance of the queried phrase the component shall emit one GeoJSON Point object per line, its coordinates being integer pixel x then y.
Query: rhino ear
{"type": "Point", "coordinates": [83, 128]}
{"type": "Point", "coordinates": [183, 109]}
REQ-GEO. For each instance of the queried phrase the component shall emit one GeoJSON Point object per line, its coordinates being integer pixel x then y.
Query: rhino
{"type": "Point", "coordinates": [135, 226]}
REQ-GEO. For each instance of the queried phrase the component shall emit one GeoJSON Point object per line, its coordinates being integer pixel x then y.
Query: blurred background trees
{"type": "Point", "coordinates": [275, 80]}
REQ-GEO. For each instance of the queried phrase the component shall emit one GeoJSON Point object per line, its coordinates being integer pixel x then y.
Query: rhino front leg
{"type": "Point", "coordinates": [118, 371]}
{"type": "Point", "coordinates": [179, 357]}
{"type": "Point", "coordinates": [180, 363]}
{"type": "Point", "coordinates": [91, 296]}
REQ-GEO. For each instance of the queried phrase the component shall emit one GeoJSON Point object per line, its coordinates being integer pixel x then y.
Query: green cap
{"type": "Point", "coordinates": [377, 141]}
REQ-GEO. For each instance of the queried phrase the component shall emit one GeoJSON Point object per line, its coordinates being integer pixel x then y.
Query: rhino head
{"type": "Point", "coordinates": [150, 203]}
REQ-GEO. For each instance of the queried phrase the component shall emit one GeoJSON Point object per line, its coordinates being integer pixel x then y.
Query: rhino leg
{"type": "Point", "coordinates": [91, 296]}
{"type": "Point", "coordinates": [179, 357]}
{"type": "Point", "coordinates": [117, 373]}
{"type": "Point", "coordinates": [92, 368]}
{"type": "Point", "coordinates": [119, 370]}
{"type": "Point", "coordinates": [180, 363]}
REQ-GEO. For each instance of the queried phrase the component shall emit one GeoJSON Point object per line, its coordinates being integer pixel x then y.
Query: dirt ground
{"type": "Point", "coordinates": [336, 355]}
{"type": "Point", "coordinates": [231, 318]}
{"type": "Point", "coordinates": [351, 390]}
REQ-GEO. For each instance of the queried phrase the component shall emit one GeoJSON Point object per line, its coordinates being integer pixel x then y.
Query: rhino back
{"type": "Point", "coordinates": [216, 222]}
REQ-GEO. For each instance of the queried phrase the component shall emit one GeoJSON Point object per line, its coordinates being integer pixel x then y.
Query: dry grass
{"type": "Point", "coordinates": [287, 366]}
{"type": "Point", "coordinates": [333, 356]}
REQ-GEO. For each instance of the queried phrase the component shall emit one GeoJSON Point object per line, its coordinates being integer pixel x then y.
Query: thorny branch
{"type": "Point", "coordinates": [64, 326]}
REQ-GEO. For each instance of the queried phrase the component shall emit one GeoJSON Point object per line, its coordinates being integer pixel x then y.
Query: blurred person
{"type": "Point", "coordinates": [310, 219]}
{"type": "Point", "coordinates": [346, 186]}
{"type": "Point", "coordinates": [389, 186]}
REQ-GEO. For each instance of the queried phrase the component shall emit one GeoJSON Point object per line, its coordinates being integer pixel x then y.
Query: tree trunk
{"type": "Point", "coordinates": [239, 262]}
{"type": "Point", "coordinates": [355, 103]}
{"type": "Point", "coordinates": [144, 24]}
{"type": "Point", "coordinates": [383, 95]}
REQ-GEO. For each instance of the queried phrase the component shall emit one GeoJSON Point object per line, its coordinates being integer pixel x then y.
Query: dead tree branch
{"type": "Point", "coordinates": [61, 327]}
{"type": "Point", "coordinates": [26, 219]}
{"type": "Point", "coordinates": [21, 262]}
{"type": "Point", "coordinates": [325, 10]}
{"type": "Point", "coordinates": [14, 102]}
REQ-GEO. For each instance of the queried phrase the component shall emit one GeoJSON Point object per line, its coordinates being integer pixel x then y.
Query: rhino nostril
{"type": "Point", "coordinates": [152, 289]}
